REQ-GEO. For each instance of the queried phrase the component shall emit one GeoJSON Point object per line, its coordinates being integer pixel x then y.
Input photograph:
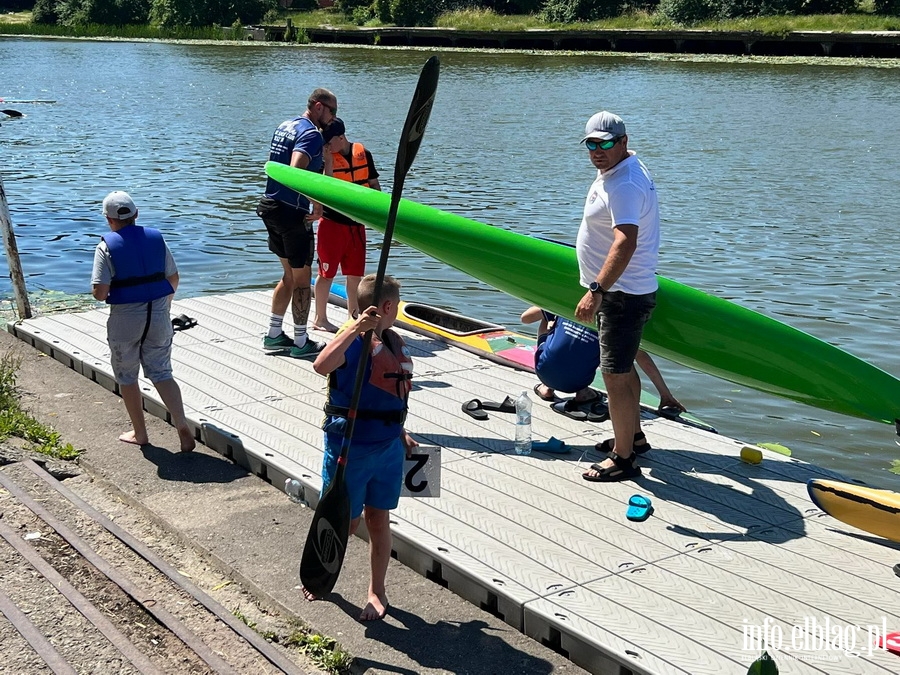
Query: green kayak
{"type": "Point", "coordinates": [689, 327]}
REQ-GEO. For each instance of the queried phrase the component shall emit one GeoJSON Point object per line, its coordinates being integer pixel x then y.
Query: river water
{"type": "Point", "coordinates": [778, 181]}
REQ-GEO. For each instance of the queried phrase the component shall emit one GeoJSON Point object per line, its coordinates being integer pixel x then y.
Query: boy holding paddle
{"type": "Point", "coordinates": [379, 445]}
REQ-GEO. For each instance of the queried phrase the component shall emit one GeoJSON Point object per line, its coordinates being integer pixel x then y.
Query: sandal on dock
{"type": "Point", "coordinates": [621, 469]}
{"type": "Point", "coordinates": [606, 447]}
{"type": "Point", "coordinates": [474, 410]}
{"type": "Point", "coordinates": [507, 406]}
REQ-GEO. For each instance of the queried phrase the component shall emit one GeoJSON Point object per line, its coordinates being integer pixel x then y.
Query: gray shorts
{"type": "Point", "coordinates": [128, 352]}
{"type": "Point", "coordinates": [620, 323]}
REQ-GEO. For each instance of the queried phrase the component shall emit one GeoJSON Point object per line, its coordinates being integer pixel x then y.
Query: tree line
{"type": "Point", "coordinates": [197, 13]}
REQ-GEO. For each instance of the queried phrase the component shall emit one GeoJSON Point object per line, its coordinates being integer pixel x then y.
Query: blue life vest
{"type": "Point", "coordinates": [139, 259]}
{"type": "Point", "coordinates": [567, 356]}
{"type": "Point", "coordinates": [383, 399]}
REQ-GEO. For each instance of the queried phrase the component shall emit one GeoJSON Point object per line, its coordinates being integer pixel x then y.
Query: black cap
{"type": "Point", "coordinates": [334, 129]}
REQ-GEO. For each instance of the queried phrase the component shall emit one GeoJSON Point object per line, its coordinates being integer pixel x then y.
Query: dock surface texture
{"type": "Point", "coordinates": [734, 559]}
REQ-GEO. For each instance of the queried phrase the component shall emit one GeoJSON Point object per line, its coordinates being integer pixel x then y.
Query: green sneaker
{"type": "Point", "coordinates": [309, 350]}
{"type": "Point", "coordinates": [280, 342]}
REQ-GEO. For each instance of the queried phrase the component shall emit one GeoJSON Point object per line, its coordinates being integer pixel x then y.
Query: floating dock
{"type": "Point", "coordinates": [735, 558]}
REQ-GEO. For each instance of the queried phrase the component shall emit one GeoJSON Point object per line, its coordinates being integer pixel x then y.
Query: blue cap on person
{"type": "Point", "coordinates": [119, 205]}
{"type": "Point", "coordinates": [604, 126]}
{"type": "Point", "coordinates": [333, 130]}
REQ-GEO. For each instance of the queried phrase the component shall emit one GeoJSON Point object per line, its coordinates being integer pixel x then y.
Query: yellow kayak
{"type": "Point", "coordinates": [875, 511]}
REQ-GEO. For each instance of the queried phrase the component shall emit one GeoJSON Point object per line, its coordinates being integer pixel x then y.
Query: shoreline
{"type": "Point", "coordinates": [857, 47]}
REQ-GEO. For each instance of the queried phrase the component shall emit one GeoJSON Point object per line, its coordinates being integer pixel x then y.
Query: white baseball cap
{"type": "Point", "coordinates": [119, 205]}
{"type": "Point", "coordinates": [604, 126]}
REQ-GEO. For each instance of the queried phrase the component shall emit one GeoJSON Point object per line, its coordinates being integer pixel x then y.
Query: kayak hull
{"type": "Point", "coordinates": [688, 326]}
{"type": "Point", "coordinates": [875, 511]}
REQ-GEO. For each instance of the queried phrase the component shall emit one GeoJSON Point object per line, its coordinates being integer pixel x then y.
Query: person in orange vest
{"type": "Point", "coordinates": [342, 241]}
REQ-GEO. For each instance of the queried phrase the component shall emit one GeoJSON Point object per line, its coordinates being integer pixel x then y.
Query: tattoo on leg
{"type": "Point", "coordinates": [300, 305]}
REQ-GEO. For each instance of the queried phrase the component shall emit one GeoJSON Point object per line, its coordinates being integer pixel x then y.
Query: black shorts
{"type": "Point", "coordinates": [290, 235]}
{"type": "Point", "coordinates": [621, 323]}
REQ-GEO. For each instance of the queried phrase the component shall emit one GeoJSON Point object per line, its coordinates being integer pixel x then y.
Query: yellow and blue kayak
{"type": "Point", "coordinates": [875, 511]}
{"type": "Point", "coordinates": [689, 327]}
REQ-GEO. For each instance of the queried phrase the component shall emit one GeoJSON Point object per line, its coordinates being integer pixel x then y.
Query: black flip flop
{"type": "Point", "coordinates": [183, 322]}
{"type": "Point", "coordinates": [474, 410]}
{"type": "Point", "coordinates": [507, 406]}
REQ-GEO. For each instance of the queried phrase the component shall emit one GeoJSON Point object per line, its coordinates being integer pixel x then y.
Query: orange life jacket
{"type": "Point", "coordinates": [355, 172]}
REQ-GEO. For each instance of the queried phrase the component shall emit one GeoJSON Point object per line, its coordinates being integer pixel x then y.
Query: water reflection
{"type": "Point", "coordinates": [777, 181]}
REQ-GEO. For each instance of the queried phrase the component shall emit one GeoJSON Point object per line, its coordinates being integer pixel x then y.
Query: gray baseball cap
{"type": "Point", "coordinates": [604, 126]}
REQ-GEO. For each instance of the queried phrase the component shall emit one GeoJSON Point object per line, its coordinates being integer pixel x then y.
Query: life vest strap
{"type": "Point", "coordinates": [137, 281]}
{"type": "Point", "coordinates": [386, 416]}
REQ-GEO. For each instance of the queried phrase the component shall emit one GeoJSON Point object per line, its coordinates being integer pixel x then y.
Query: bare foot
{"type": "Point", "coordinates": [186, 438]}
{"type": "Point", "coordinates": [375, 609]}
{"type": "Point", "coordinates": [308, 595]}
{"type": "Point", "coordinates": [326, 325]}
{"type": "Point", "coordinates": [131, 437]}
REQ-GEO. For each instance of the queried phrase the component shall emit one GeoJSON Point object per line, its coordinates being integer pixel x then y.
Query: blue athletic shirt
{"type": "Point", "coordinates": [567, 356]}
{"type": "Point", "coordinates": [298, 134]}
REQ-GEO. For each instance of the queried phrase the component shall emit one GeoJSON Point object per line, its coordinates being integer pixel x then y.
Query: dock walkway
{"type": "Point", "coordinates": [733, 552]}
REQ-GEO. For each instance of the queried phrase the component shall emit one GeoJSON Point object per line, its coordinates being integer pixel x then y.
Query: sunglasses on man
{"type": "Point", "coordinates": [602, 145]}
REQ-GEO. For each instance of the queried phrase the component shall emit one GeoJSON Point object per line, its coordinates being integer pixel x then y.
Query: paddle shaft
{"type": "Point", "coordinates": [326, 542]}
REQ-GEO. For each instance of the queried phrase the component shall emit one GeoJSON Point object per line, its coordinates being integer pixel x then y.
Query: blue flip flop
{"type": "Point", "coordinates": [639, 508]}
{"type": "Point", "coordinates": [552, 444]}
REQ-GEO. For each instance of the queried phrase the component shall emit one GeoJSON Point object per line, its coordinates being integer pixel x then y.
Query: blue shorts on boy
{"type": "Point", "coordinates": [567, 356]}
{"type": "Point", "coordinates": [374, 474]}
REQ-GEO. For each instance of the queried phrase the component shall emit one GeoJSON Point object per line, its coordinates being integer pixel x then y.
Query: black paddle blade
{"type": "Point", "coordinates": [326, 541]}
{"type": "Point", "coordinates": [416, 121]}
{"type": "Point", "coordinates": [11, 113]}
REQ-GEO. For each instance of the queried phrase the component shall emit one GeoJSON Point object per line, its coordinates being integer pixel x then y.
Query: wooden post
{"type": "Point", "coordinates": [12, 258]}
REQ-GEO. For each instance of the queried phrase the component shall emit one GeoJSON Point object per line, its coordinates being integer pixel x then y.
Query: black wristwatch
{"type": "Point", "coordinates": [597, 288]}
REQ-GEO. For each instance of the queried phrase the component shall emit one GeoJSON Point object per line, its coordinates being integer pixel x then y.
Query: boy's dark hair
{"type": "Point", "coordinates": [390, 290]}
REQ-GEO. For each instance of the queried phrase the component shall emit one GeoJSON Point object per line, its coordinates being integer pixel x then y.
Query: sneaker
{"type": "Point", "coordinates": [309, 350]}
{"type": "Point", "coordinates": [280, 342]}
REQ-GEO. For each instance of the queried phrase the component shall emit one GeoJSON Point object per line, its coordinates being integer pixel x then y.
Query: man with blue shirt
{"type": "Point", "coordinates": [289, 218]}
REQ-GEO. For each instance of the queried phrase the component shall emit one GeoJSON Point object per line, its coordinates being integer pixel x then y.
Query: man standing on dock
{"type": "Point", "coordinates": [289, 221]}
{"type": "Point", "coordinates": [618, 248]}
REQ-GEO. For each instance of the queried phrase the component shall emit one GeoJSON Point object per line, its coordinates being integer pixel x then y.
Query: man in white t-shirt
{"type": "Point", "coordinates": [618, 247]}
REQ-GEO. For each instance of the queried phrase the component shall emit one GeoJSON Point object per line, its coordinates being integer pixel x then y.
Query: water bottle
{"type": "Point", "coordinates": [293, 488]}
{"type": "Point", "coordinates": [523, 424]}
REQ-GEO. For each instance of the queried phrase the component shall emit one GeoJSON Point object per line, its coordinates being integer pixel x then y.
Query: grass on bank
{"type": "Point", "coordinates": [323, 651]}
{"type": "Point", "coordinates": [16, 423]}
{"type": "Point", "coordinates": [19, 23]}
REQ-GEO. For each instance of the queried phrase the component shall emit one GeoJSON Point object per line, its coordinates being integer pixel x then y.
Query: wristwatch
{"type": "Point", "coordinates": [597, 288]}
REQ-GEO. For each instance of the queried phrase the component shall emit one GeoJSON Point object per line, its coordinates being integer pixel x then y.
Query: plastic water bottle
{"type": "Point", "coordinates": [293, 488]}
{"type": "Point", "coordinates": [523, 424]}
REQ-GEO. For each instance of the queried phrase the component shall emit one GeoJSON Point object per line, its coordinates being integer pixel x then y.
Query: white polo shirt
{"type": "Point", "coordinates": [624, 195]}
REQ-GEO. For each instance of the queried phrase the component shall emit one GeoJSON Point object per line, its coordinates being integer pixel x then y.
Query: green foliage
{"type": "Point", "coordinates": [271, 16]}
{"type": "Point", "coordinates": [362, 15]}
{"type": "Point", "coordinates": [324, 651]}
{"type": "Point", "coordinates": [17, 423]}
{"type": "Point", "coordinates": [895, 466]}
{"type": "Point", "coordinates": [572, 11]}
{"type": "Point", "coordinates": [689, 12]}
{"type": "Point", "coordinates": [383, 10]}
{"type": "Point", "coordinates": [347, 6]}
{"type": "Point", "coordinates": [109, 12]}
{"type": "Point", "coordinates": [829, 6]}
{"type": "Point", "coordinates": [887, 7]}
{"type": "Point", "coordinates": [301, 37]}
{"type": "Point", "coordinates": [764, 665]}
{"type": "Point", "coordinates": [44, 12]}
{"type": "Point", "coordinates": [508, 7]}
{"type": "Point", "coordinates": [172, 13]}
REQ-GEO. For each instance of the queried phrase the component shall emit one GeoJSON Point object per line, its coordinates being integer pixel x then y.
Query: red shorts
{"type": "Point", "coordinates": [343, 245]}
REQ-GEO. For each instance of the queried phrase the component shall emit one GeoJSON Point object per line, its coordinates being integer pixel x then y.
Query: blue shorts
{"type": "Point", "coordinates": [374, 476]}
{"type": "Point", "coordinates": [621, 323]}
